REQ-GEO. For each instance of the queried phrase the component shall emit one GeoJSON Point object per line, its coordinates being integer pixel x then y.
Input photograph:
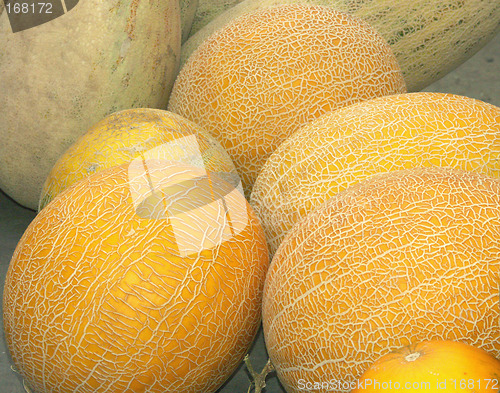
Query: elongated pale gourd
{"type": "Point", "coordinates": [385, 134]}
{"type": "Point", "coordinates": [429, 38]}
{"type": "Point", "coordinates": [59, 78]}
{"type": "Point", "coordinates": [266, 74]}
{"type": "Point", "coordinates": [402, 257]}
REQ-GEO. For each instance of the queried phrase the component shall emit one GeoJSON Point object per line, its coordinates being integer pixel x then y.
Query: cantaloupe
{"type": "Point", "coordinates": [429, 38]}
{"type": "Point", "coordinates": [402, 257]}
{"type": "Point", "coordinates": [263, 76]}
{"type": "Point", "coordinates": [131, 133]}
{"type": "Point", "coordinates": [144, 277]}
{"type": "Point", "coordinates": [433, 366]}
{"type": "Point", "coordinates": [59, 78]}
{"type": "Point", "coordinates": [384, 134]}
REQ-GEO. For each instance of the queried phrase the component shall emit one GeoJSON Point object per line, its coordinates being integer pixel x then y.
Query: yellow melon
{"type": "Point", "coordinates": [131, 133]}
{"type": "Point", "coordinates": [433, 366]}
{"type": "Point", "coordinates": [263, 76]}
{"type": "Point", "coordinates": [59, 78]}
{"type": "Point", "coordinates": [142, 277]}
{"type": "Point", "coordinates": [418, 31]}
{"type": "Point", "coordinates": [402, 257]}
{"type": "Point", "coordinates": [384, 134]}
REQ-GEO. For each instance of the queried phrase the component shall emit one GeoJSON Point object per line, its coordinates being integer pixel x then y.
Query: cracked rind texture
{"type": "Point", "coordinates": [255, 82]}
{"type": "Point", "coordinates": [98, 299]}
{"type": "Point", "coordinates": [125, 135]}
{"type": "Point", "coordinates": [401, 257]}
{"type": "Point", "coordinates": [429, 38]}
{"type": "Point", "coordinates": [60, 78]}
{"type": "Point", "coordinates": [384, 134]}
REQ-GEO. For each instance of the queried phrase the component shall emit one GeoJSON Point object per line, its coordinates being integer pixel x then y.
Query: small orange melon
{"type": "Point", "coordinates": [131, 133]}
{"type": "Point", "coordinates": [265, 74]}
{"type": "Point", "coordinates": [142, 277]}
{"type": "Point", "coordinates": [401, 257]}
{"type": "Point", "coordinates": [433, 366]}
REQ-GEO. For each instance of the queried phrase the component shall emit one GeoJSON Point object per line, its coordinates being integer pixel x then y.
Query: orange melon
{"type": "Point", "coordinates": [433, 366]}
{"type": "Point", "coordinates": [401, 257]}
{"type": "Point", "coordinates": [418, 31]}
{"type": "Point", "coordinates": [142, 277]}
{"type": "Point", "coordinates": [131, 133]}
{"type": "Point", "coordinates": [261, 77]}
{"type": "Point", "coordinates": [384, 134]}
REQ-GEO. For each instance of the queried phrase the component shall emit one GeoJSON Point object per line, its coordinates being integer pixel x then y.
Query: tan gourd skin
{"type": "Point", "coordinates": [265, 75]}
{"type": "Point", "coordinates": [188, 12]}
{"type": "Point", "coordinates": [60, 78]}
{"type": "Point", "coordinates": [106, 295]}
{"type": "Point", "coordinates": [429, 38]}
{"type": "Point", "coordinates": [433, 366]}
{"type": "Point", "coordinates": [389, 133]}
{"type": "Point", "coordinates": [401, 257]}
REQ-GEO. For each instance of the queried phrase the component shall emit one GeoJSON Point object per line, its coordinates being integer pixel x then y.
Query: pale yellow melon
{"type": "Point", "coordinates": [384, 134]}
{"type": "Point", "coordinates": [59, 78]}
{"type": "Point", "coordinates": [131, 133]}
{"type": "Point", "coordinates": [399, 258]}
{"type": "Point", "coordinates": [429, 38]}
{"type": "Point", "coordinates": [144, 277]}
{"type": "Point", "coordinates": [266, 74]}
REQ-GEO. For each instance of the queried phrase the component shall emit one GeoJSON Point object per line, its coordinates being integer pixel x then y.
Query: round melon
{"type": "Point", "coordinates": [263, 76]}
{"type": "Point", "coordinates": [435, 365]}
{"type": "Point", "coordinates": [61, 77]}
{"type": "Point", "coordinates": [419, 31]}
{"type": "Point", "coordinates": [132, 133]}
{"type": "Point", "coordinates": [402, 257]}
{"type": "Point", "coordinates": [146, 276]}
{"type": "Point", "coordinates": [384, 134]}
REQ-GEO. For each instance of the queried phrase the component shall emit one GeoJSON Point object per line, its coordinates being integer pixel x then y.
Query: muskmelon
{"type": "Point", "coordinates": [389, 133]}
{"type": "Point", "coordinates": [59, 78]}
{"type": "Point", "coordinates": [143, 277]}
{"type": "Point", "coordinates": [259, 79]}
{"type": "Point", "coordinates": [401, 257]}
{"type": "Point", "coordinates": [125, 135]}
{"type": "Point", "coordinates": [429, 38]}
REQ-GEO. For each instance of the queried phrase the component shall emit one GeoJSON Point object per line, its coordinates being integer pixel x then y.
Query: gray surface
{"type": "Point", "coordinates": [477, 78]}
